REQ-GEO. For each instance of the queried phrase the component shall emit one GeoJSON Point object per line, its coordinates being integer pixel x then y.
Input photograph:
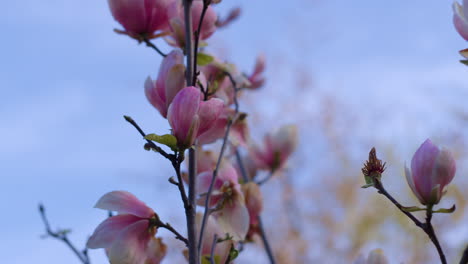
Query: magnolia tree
{"type": "Point", "coordinates": [218, 184]}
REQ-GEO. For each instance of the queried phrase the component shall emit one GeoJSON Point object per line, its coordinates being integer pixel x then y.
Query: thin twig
{"type": "Point", "coordinates": [177, 234]}
{"type": "Point", "coordinates": [426, 227]}
{"type": "Point", "coordinates": [266, 244]}
{"type": "Point", "coordinates": [153, 46]}
{"type": "Point", "coordinates": [150, 143]}
{"type": "Point", "coordinates": [213, 247]}
{"type": "Point", "coordinates": [267, 178]}
{"type": "Point", "coordinates": [218, 163]}
{"type": "Point", "coordinates": [206, 4]}
{"type": "Point", "coordinates": [83, 255]}
{"type": "Point", "coordinates": [176, 163]}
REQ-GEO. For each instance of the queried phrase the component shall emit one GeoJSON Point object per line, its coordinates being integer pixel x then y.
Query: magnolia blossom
{"type": "Point", "coordinates": [129, 236]}
{"type": "Point", "coordinates": [177, 22]}
{"type": "Point", "coordinates": [190, 117]}
{"type": "Point", "coordinates": [432, 169]}
{"type": "Point", "coordinates": [254, 203]}
{"type": "Point", "coordinates": [460, 18]}
{"type": "Point", "coordinates": [256, 78]}
{"type": "Point", "coordinates": [171, 79]}
{"type": "Point", "coordinates": [233, 215]}
{"type": "Point", "coordinates": [212, 228]}
{"type": "Point", "coordinates": [276, 149]}
{"type": "Point", "coordinates": [141, 17]}
{"type": "Point", "coordinates": [376, 256]}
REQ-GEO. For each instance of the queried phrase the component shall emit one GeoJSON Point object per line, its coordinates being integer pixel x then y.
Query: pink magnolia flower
{"type": "Point", "coordinates": [432, 169]}
{"type": "Point", "coordinates": [256, 78]}
{"type": "Point", "coordinates": [460, 18]}
{"type": "Point", "coordinates": [171, 79]}
{"type": "Point", "coordinates": [254, 203]}
{"type": "Point", "coordinates": [129, 236]}
{"type": "Point", "coordinates": [190, 117]}
{"type": "Point", "coordinates": [141, 17]}
{"type": "Point", "coordinates": [277, 147]}
{"type": "Point", "coordinates": [233, 216]}
{"type": "Point", "coordinates": [177, 22]}
{"type": "Point", "coordinates": [211, 228]}
{"type": "Point", "coordinates": [376, 256]}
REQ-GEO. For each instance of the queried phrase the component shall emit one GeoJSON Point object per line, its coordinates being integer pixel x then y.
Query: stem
{"type": "Point", "coordinates": [206, 3]}
{"type": "Point", "coordinates": [83, 255]}
{"type": "Point", "coordinates": [266, 244]}
{"type": "Point", "coordinates": [262, 181]}
{"type": "Point", "coordinates": [426, 227]}
{"type": "Point", "coordinates": [265, 241]}
{"type": "Point", "coordinates": [213, 246]}
{"type": "Point", "coordinates": [172, 229]}
{"type": "Point", "coordinates": [153, 46]}
{"type": "Point", "coordinates": [190, 210]}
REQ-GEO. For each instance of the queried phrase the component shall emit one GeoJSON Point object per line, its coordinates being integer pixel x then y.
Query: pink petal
{"type": "Point", "coordinates": [124, 203]}
{"type": "Point", "coordinates": [130, 14]}
{"type": "Point", "coordinates": [156, 250]}
{"type": "Point", "coordinates": [183, 112]}
{"type": "Point", "coordinates": [175, 57]}
{"type": "Point", "coordinates": [209, 21]}
{"type": "Point", "coordinates": [234, 218]}
{"type": "Point", "coordinates": [459, 20]}
{"type": "Point", "coordinates": [227, 173]}
{"type": "Point", "coordinates": [215, 132]}
{"type": "Point", "coordinates": [154, 97]}
{"type": "Point", "coordinates": [108, 230]}
{"type": "Point", "coordinates": [421, 168]}
{"type": "Point", "coordinates": [203, 184]}
{"type": "Point", "coordinates": [130, 246]}
{"type": "Point", "coordinates": [209, 112]}
{"type": "Point", "coordinates": [212, 228]}
{"type": "Point", "coordinates": [156, 15]}
{"type": "Point", "coordinates": [175, 82]}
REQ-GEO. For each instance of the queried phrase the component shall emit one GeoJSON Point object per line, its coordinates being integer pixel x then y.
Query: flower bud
{"type": "Point", "coordinates": [432, 169]}
{"type": "Point", "coordinates": [277, 148]}
{"type": "Point", "coordinates": [171, 79]}
{"type": "Point", "coordinates": [460, 15]}
{"type": "Point", "coordinates": [141, 17]}
{"type": "Point", "coordinates": [177, 22]}
{"type": "Point", "coordinates": [190, 117]}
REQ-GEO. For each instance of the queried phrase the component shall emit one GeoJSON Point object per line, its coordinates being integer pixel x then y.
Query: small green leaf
{"type": "Point", "coordinates": [369, 182]}
{"type": "Point", "coordinates": [233, 254]}
{"type": "Point", "coordinates": [413, 209]}
{"type": "Point", "coordinates": [464, 62]}
{"type": "Point", "coordinates": [446, 211]}
{"type": "Point", "coordinates": [168, 140]}
{"type": "Point", "coordinates": [204, 59]}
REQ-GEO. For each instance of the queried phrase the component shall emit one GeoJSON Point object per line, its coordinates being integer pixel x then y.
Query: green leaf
{"type": "Point", "coordinates": [369, 182]}
{"type": "Point", "coordinates": [412, 209]}
{"type": "Point", "coordinates": [233, 254]}
{"type": "Point", "coordinates": [464, 62]}
{"type": "Point", "coordinates": [204, 59]}
{"type": "Point", "coordinates": [446, 211]}
{"type": "Point", "coordinates": [168, 140]}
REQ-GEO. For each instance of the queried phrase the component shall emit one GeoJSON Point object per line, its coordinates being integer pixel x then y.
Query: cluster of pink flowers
{"type": "Point", "coordinates": [198, 114]}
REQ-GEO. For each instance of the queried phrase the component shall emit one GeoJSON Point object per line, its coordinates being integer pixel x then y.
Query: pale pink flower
{"type": "Point", "coordinates": [432, 169]}
{"type": "Point", "coordinates": [141, 17]}
{"type": "Point", "coordinates": [211, 228]}
{"type": "Point", "coordinates": [256, 78]}
{"type": "Point", "coordinates": [376, 256]}
{"type": "Point", "coordinates": [254, 202]}
{"type": "Point", "coordinates": [460, 18]}
{"type": "Point", "coordinates": [190, 117]}
{"type": "Point", "coordinates": [233, 215]}
{"type": "Point", "coordinates": [171, 79]}
{"type": "Point", "coordinates": [276, 149]}
{"type": "Point", "coordinates": [177, 22]}
{"type": "Point", "coordinates": [129, 236]}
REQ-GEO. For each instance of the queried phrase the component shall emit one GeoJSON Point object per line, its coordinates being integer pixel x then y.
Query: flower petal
{"type": "Point", "coordinates": [130, 246]}
{"type": "Point", "coordinates": [459, 20]}
{"type": "Point", "coordinates": [182, 112]}
{"type": "Point", "coordinates": [209, 112]}
{"type": "Point", "coordinates": [153, 96]}
{"type": "Point", "coordinates": [124, 203]}
{"type": "Point", "coordinates": [234, 218]}
{"type": "Point", "coordinates": [109, 229]}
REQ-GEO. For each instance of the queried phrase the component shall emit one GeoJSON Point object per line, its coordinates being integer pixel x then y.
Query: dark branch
{"type": "Point", "coordinates": [153, 46]}
{"type": "Point", "coordinates": [62, 236]}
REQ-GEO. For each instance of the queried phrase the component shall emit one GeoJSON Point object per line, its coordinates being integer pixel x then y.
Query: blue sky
{"type": "Point", "coordinates": [67, 79]}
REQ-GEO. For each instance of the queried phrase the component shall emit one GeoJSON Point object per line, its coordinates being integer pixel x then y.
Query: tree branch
{"type": "Point", "coordinates": [62, 235]}
{"type": "Point", "coordinates": [153, 46]}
